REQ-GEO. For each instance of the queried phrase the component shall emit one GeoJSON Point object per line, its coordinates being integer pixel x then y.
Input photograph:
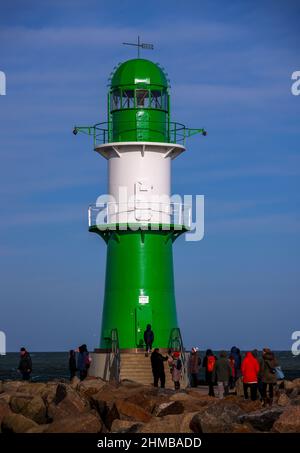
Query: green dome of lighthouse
{"type": "Point", "coordinates": [139, 71]}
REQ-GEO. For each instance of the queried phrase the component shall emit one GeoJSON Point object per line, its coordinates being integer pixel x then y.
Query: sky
{"type": "Point", "coordinates": [230, 66]}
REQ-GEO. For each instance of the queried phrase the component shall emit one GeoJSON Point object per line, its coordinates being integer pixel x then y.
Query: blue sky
{"type": "Point", "coordinates": [230, 65]}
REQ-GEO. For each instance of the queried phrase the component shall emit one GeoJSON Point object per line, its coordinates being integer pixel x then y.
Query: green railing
{"type": "Point", "coordinates": [174, 132]}
{"type": "Point", "coordinates": [115, 349]}
{"type": "Point", "coordinates": [176, 343]}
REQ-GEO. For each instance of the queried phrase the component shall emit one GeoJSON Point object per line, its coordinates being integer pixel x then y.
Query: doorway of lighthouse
{"type": "Point", "coordinates": [143, 316]}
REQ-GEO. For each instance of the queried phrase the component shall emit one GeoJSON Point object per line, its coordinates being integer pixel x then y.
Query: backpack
{"type": "Point", "coordinates": [210, 363]}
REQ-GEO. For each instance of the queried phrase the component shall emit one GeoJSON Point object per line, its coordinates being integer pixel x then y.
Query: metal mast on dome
{"type": "Point", "coordinates": [139, 45]}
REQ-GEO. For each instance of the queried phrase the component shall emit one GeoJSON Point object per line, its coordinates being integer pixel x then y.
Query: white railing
{"type": "Point", "coordinates": [141, 212]}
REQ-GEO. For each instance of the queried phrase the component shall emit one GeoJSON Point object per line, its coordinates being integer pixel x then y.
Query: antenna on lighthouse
{"type": "Point", "coordinates": [139, 45]}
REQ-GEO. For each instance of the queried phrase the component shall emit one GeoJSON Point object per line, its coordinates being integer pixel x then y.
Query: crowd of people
{"type": "Point", "coordinates": [252, 376]}
{"type": "Point", "coordinates": [255, 374]}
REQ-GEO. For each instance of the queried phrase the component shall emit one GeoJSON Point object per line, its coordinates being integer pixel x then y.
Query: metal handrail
{"type": "Point", "coordinates": [174, 132]}
{"type": "Point", "coordinates": [115, 349]}
{"type": "Point", "coordinates": [180, 213]}
{"type": "Point", "coordinates": [176, 344]}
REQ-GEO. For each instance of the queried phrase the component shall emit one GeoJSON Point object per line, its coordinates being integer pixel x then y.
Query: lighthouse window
{"type": "Point", "coordinates": [164, 100]}
{"type": "Point", "coordinates": [142, 98]}
{"type": "Point", "coordinates": [128, 99]}
{"type": "Point", "coordinates": [156, 99]}
{"type": "Point", "coordinates": [116, 100]}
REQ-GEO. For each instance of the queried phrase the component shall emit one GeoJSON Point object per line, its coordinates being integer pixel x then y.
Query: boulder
{"type": "Point", "coordinates": [168, 424]}
{"type": "Point", "coordinates": [4, 410]}
{"type": "Point", "coordinates": [17, 423]}
{"type": "Point", "coordinates": [131, 411]}
{"type": "Point", "coordinates": [36, 410]}
{"type": "Point", "coordinates": [49, 392]}
{"type": "Point", "coordinates": [18, 403]}
{"type": "Point", "coordinates": [203, 400]}
{"type": "Point", "coordinates": [241, 428]}
{"type": "Point", "coordinates": [32, 388]}
{"type": "Point", "coordinates": [60, 394]}
{"type": "Point", "coordinates": [247, 406]}
{"type": "Point", "coordinates": [75, 382]}
{"type": "Point", "coordinates": [288, 386]}
{"type": "Point", "coordinates": [170, 408]}
{"type": "Point", "coordinates": [123, 410]}
{"type": "Point", "coordinates": [104, 400]}
{"type": "Point", "coordinates": [191, 403]}
{"type": "Point", "coordinates": [283, 400]}
{"type": "Point", "coordinates": [295, 401]}
{"type": "Point", "coordinates": [296, 382]}
{"type": "Point", "coordinates": [90, 387]}
{"type": "Point", "coordinates": [125, 426]}
{"type": "Point", "coordinates": [76, 423]}
{"type": "Point", "coordinates": [11, 386]}
{"type": "Point", "coordinates": [262, 420]}
{"type": "Point", "coordinates": [289, 421]}
{"type": "Point", "coordinates": [5, 397]}
{"type": "Point", "coordinates": [127, 383]}
{"type": "Point", "coordinates": [217, 418]}
{"type": "Point", "coordinates": [66, 402]}
{"type": "Point", "coordinates": [147, 398]}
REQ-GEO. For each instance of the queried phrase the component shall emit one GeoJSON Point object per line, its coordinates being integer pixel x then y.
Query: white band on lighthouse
{"type": "Point", "coordinates": [143, 171]}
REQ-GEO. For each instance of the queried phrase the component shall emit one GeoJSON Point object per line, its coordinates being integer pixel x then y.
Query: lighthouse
{"type": "Point", "coordinates": [138, 220]}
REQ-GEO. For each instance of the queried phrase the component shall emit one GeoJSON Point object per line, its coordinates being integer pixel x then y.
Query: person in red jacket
{"type": "Point", "coordinates": [250, 370]}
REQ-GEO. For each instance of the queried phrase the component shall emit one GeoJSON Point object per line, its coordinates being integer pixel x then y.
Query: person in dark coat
{"type": "Point", "coordinates": [209, 363]}
{"type": "Point", "coordinates": [235, 353]}
{"type": "Point", "coordinates": [158, 369]}
{"type": "Point", "coordinates": [83, 362]}
{"type": "Point", "coordinates": [25, 364]}
{"type": "Point", "coordinates": [269, 378]}
{"type": "Point", "coordinates": [72, 364]}
{"type": "Point", "coordinates": [148, 338]}
{"type": "Point", "coordinates": [222, 373]}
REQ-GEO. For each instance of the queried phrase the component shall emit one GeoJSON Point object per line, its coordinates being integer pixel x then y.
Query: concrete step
{"type": "Point", "coordinates": [137, 367]}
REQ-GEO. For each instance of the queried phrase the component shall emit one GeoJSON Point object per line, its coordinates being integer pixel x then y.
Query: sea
{"type": "Point", "coordinates": [49, 366]}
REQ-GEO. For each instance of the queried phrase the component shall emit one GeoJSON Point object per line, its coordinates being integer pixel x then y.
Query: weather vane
{"type": "Point", "coordinates": [140, 45]}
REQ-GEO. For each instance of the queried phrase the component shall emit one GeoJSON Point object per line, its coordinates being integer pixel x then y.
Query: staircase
{"type": "Point", "coordinates": [136, 367]}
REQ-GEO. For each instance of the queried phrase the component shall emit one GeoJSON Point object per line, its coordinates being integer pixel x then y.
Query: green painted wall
{"type": "Point", "coordinates": [139, 260]}
{"type": "Point", "coordinates": [139, 125]}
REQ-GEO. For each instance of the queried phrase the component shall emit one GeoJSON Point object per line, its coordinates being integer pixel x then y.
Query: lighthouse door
{"type": "Point", "coordinates": [143, 316]}
{"type": "Point", "coordinates": [142, 191]}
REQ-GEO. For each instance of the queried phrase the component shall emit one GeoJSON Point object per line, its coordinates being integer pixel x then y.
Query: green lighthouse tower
{"type": "Point", "coordinates": [138, 219]}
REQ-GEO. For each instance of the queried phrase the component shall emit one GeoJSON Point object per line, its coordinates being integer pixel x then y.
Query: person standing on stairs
{"type": "Point", "coordinates": [158, 369]}
{"type": "Point", "coordinates": [148, 338]}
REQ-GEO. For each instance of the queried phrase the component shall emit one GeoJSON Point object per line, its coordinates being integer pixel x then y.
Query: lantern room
{"type": "Point", "coordinates": [138, 102]}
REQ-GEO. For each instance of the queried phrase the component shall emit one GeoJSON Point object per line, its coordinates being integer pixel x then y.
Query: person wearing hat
{"type": "Point", "coordinates": [269, 378]}
{"type": "Point", "coordinates": [194, 363]}
{"type": "Point", "coordinates": [176, 370]}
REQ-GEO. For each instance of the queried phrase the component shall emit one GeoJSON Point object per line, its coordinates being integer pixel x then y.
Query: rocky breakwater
{"type": "Point", "coordinates": [96, 406]}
